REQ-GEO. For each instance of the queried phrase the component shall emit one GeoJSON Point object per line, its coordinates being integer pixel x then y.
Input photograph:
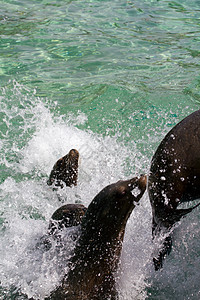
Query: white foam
{"type": "Point", "coordinates": [27, 204]}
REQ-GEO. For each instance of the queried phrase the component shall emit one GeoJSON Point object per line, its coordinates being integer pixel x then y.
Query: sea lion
{"type": "Point", "coordinates": [97, 251]}
{"type": "Point", "coordinates": [65, 170]}
{"type": "Point", "coordinates": [66, 216]}
{"type": "Point", "coordinates": [174, 178]}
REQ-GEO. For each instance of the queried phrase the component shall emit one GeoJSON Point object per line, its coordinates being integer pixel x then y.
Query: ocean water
{"type": "Point", "coordinates": [109, 78]}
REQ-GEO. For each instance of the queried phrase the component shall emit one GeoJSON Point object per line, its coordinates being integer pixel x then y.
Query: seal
{"type": "Point", "coordinates": [65, 170]}
{"type": "Point", "coordinates": [68, 215]}
{"type": "Point", "coordinates": [97, 251]}
{"type": "Point", "coordinates": [174, 178]}
{"type": "Point", "coordinates": [65, 216]}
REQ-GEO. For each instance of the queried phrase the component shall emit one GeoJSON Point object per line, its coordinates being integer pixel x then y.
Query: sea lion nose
{"type": "Point", "coordinates": [142, 182]}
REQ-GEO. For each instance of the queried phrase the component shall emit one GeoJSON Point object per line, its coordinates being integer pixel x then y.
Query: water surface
{"type": "Point", "coordinates": [109, 78]}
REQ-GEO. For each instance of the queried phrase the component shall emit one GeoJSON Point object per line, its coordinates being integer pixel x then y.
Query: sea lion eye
{"type": "Point", "coordinates": [121, 191]}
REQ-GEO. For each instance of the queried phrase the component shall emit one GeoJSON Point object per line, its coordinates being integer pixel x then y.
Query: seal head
{"type": "Point", "coordinates": [65, 170]}
{"type": "Point", "coordinates": [66, 216]}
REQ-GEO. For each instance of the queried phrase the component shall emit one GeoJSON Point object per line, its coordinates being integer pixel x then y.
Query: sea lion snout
{"type": "Point", "coordinates": [132, 189]}
{"type": "Point", "coordinates": [127, 186]}
{"type": "Point", "coordinates": [142, 182]}
{"type": "Point", "coordinates": [138, 186]}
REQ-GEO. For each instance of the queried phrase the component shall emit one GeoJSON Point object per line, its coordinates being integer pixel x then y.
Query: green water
{"type": "Point", "coordinates": [67, 50]}
{"type": "Point", "coordinates": [86, 54]}
{"type": "Point", "coordinates": [121, 72]}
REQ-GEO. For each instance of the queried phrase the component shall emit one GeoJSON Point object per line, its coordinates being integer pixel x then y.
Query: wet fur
{"type": "Point", "coordinates": [97, 252]}
{"type": "Point", "coordinates": [65, 170]}
{"type": "Point", "coordinates": [174, 178]}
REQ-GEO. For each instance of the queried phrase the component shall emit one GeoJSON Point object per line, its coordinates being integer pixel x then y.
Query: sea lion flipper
{"type": "Point", "coordinates": [195, 206]}
{"type": "Point", "coordinates": [165, 250]}
{"type": "Point", "coordinates": [167, 244]}
{"type": "Point", "coordinates": [179, 213]}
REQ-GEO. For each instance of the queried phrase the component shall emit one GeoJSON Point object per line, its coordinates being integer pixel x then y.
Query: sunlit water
{"type": "Point", "coordinates": [109, 78]}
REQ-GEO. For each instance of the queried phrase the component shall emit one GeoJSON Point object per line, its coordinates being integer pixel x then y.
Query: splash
{"type": "Point", "coordinates": [41, 137]}
{"type": "Point", "coordinates": [33, 136]}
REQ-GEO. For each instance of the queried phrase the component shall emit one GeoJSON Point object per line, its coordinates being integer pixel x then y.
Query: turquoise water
{"type": "Point", "coordinates": [109, 78]}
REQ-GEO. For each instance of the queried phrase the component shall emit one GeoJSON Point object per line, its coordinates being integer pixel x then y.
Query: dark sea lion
{"type": "Point", "coordinates": [97, 251]}
{"type": "Point", "coordinates": [174, 178]}
{"type": "Point", "coordinates": [66, 216]}
{"type": "Point", "coordinates": [65, 170]}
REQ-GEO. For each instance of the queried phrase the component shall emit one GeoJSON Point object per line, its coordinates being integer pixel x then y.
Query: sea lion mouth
{"type": "Point", "coordinates": [140, 182]}
{"type": "Point", "coordinates": [138, 187]}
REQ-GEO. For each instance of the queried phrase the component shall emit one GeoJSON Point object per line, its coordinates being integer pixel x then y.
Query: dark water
{"type": "Point", "coordinates": [109, 78]}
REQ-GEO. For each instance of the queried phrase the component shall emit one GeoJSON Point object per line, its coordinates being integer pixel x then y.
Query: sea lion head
{"type": "Point", "coordinates": [66, 216]}
{"type": "Point", "coordinates": [111, 208]}
{"type": "Point", "coordinates": [73, 155]}
{"type": "Point", "coordinates": [65, 170]}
